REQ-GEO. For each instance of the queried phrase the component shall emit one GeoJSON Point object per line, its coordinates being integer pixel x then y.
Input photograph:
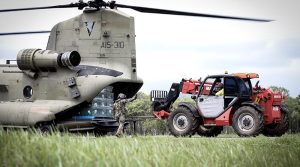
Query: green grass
{"type": "Point", "coordinates": [22, 148]}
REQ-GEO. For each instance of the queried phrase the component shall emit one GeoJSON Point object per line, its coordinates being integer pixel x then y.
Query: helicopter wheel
{"type": "Point", "coordinates": [99, 133]}
{"type": "Point", "coordinates": [46, 129]}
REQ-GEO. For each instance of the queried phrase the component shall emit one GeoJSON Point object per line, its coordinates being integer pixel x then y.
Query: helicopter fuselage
{"type": "Point", "coordinates": [105, 40]}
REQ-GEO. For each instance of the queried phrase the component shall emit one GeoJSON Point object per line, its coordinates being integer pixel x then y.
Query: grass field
{"type": "Point", "coordinates": [22, 148]}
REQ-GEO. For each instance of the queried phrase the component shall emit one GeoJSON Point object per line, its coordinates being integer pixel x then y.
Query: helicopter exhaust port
{"type": "Point", "coordinates": [46, 60]}
{"type": "Point", "coordinates": [69, 59]}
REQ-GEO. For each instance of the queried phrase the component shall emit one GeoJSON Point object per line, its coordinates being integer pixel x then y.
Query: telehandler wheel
{"type": "Point", "coordinates": [278, 129]}
{"type": "Point", "coordinates": [247, 121]}
{"type": "Point", "coordinates": [209, 131]}
{"type": "Point", "coordinates": [182, 122]}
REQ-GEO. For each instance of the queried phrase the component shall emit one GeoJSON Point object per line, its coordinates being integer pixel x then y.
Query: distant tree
{"type": "Point", "coordinates": [141, 106]}
{"type": "Point", "coordinates": [182, 99]}
{"type": "Point", "coordinates": [283, 90]}
{"type": "Point", "coordinates": [293, 105]}
{"type": "Point", "coordinates": [155, 126]}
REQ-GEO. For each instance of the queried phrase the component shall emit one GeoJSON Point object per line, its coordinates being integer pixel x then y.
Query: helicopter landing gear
{"type": "Point", "coordinates": [46, 128]}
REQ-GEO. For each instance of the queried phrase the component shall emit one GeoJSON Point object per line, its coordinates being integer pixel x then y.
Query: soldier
{"type": "Point", "coordinates": [120, 110]}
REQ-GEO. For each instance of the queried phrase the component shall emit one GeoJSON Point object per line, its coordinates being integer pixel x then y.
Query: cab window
{"type": "Point", "coordinates": [217, 88]}
{"type": "Point", "coordinates": [230, 87]}
{"type": "Point", "coordinates": [206, 88]}
{"type": "Point", "coordinates": [212, 86]}
{"type": "Point", "coordinates": [244, 89]}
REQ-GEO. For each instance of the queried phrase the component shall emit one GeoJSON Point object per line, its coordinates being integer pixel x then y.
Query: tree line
{"type": "Point", "coordinates": [142, 107]}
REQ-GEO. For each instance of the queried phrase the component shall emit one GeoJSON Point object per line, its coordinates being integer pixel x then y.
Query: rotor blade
{"type": "Point", "coordinates": [181, 13]}
{"type": "Point", "coordinates": [71, 5]}
{"type": "Point", "coordinates": [23, 33]}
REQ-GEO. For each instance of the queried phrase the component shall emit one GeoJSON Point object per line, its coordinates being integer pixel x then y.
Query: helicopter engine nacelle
{"type": "Point", "coordinates": [46, 60]}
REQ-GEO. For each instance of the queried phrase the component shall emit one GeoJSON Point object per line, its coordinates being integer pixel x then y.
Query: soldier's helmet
{"type": "Point", "coordinates": [121, 96]}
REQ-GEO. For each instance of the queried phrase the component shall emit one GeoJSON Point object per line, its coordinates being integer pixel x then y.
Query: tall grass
{"type": "Point", "coordinates": [25, 148]}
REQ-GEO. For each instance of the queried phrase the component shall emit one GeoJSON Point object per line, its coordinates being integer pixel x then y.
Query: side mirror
{"type": "Point", "coordinates": [194, 97]}
{"type": "Point", "coordinates": [256, 85]}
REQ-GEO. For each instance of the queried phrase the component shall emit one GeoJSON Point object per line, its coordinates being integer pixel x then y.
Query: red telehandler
{"type": "Point", "coordinates": [222, 100]}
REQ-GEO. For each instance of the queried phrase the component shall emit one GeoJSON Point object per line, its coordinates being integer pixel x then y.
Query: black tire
{"type": "Point", "coordinates": [182, 122]}
{"type": "Point", "coordinates": [99, 133]}
{"type": "Point", "coordinates": [46, 129]}
{"type": "Point", "coordinates": [247, 121]}
{"type": "Point", "coordinates": [4, 129]}
{"type": "Point", "coordinates": [209, 131]}
{"type": "Point", "coordinates": [278, 129]}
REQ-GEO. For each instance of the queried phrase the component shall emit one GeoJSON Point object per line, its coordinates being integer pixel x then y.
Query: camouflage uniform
{"type": "Point", "coordinates": [120, 110]}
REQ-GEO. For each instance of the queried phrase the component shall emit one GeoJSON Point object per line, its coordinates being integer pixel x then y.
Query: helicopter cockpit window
{"type": "Point", "coordinates": [27, 92]}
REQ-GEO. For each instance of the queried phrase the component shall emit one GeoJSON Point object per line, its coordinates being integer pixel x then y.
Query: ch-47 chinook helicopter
{"type": "Point", "coordinates": [72, 84]}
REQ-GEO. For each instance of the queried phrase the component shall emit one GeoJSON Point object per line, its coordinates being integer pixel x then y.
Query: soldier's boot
{"type": "Point", "coordinates": [121, 120]}
{"type": "Point", "coordinates": [120, 128]}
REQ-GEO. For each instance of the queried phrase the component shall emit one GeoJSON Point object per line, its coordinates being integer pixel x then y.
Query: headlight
{"type": "Point", "coordinates": [277, 96]}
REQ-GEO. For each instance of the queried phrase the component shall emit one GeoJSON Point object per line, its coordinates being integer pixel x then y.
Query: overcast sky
{"type": "Point", "coordinates": [173, 47]}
